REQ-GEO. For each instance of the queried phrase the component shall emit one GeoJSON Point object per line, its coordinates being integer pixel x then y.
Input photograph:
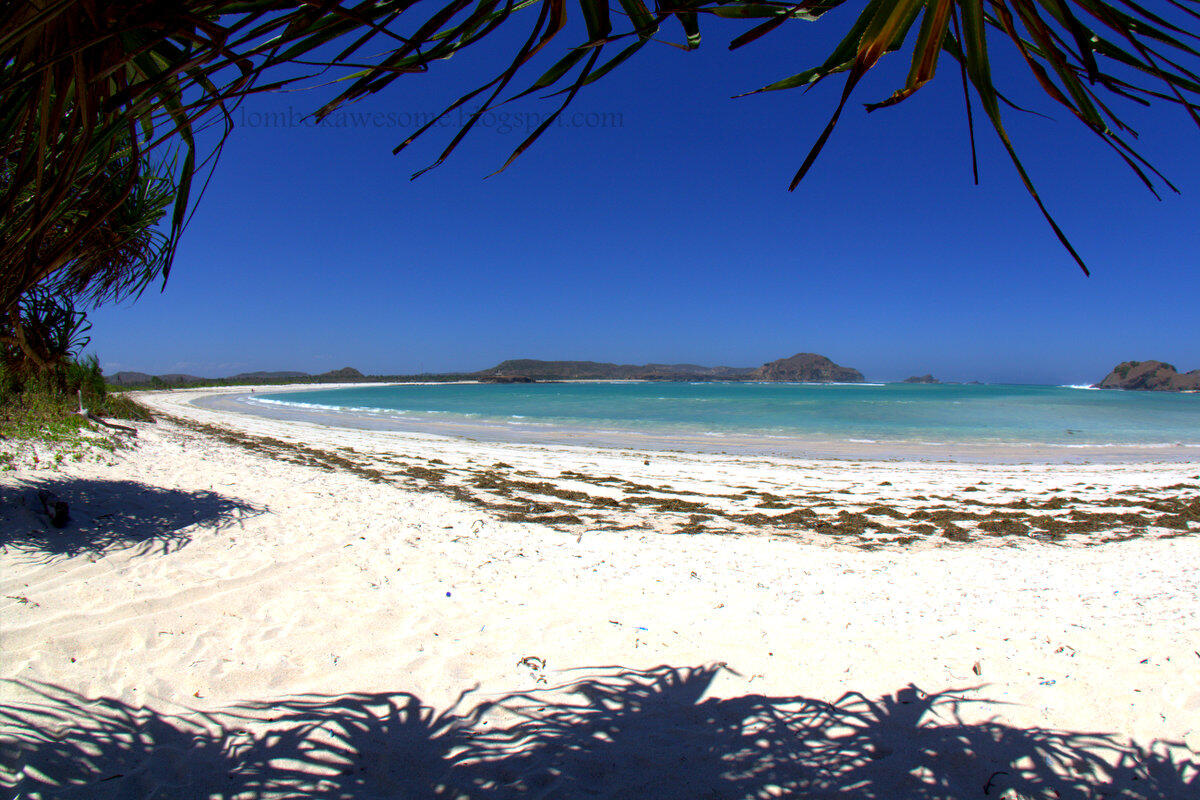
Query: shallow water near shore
{"type": "Point", "coordinates": [993, 423]}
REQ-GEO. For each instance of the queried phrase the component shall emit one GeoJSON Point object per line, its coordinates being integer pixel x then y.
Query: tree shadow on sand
{"type": "Point", "coordinates": [109, 515]}
{"type": "Point", "coordinates": [615, 734]}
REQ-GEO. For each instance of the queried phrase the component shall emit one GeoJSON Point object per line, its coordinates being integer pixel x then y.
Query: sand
{"type": "Point", "coordinates": [383, 572]}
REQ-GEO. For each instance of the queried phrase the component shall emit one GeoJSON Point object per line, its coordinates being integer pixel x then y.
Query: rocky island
{"type": "Point", "coordinates": [926, 378]}
{"type": "Point", "coordinates": [1156, 376]}
{"type": "Point", "coordinates": [806, 368]}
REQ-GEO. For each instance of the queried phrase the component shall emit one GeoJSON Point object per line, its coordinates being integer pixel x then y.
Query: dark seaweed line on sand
{"type": "Point", "coordinates": [517, 496]}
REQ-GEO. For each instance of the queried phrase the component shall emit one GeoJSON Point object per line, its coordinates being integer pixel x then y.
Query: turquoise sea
{"type": "Point", "coordinates": [882, 413]}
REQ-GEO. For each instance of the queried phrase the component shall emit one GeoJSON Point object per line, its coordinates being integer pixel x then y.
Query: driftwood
{"type": "Point", "coordinates": [123, 428]}
{"type": "Point", "coordinates": [83, 412]}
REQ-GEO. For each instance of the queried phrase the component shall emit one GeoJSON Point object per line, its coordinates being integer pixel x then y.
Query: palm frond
{"type": "Point", "coordinates": [90, 87]}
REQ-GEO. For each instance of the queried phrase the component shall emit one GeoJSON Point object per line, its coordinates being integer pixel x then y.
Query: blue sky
{"type": "Point", "coordinates": [665, 233]}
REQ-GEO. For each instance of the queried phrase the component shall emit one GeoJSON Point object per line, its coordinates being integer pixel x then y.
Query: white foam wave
{"type": "Point", "coordinates": [371, 410]}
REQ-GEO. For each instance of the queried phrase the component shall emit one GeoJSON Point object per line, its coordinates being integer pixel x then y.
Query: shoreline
{"type": "Point", "coordinates": [234, 399]}
{"type": "Point", "coordinates": [845, 502]}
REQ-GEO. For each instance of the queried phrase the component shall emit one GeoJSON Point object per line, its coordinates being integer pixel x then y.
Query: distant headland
{"type": "Point", "coordinates": [1155, 376]}
{"type": "Point", "coordinates": [176, 379]}
{"type": "Point", "coordinates": [800, 368]}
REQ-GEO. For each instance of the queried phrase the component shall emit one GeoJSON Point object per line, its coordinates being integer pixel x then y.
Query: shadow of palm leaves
{"type": "Point", "coordinates": [67, 746]}
{"type": "Point", "coordinates": [359, 746]}
{"type": "Point", "coordinates": [110, 515]}
{"type": "Point", "coordinates": [614, 734]}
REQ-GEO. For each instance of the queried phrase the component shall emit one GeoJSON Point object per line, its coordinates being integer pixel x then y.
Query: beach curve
{"type": "Point", "coordinates": [311, 559]}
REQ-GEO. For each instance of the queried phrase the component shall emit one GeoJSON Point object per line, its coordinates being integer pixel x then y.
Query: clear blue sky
{"type": "Point", "coordinates": [668, 235]}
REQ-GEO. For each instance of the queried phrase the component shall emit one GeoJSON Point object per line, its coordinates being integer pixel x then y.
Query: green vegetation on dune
{"type": "Point", "coordinates": [29, 439]}
{"type": "Point", "coordinates": [39, 420]}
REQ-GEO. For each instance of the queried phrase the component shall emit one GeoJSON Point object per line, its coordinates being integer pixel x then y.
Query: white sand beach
{"type": "Point", "coordinates": [207, 570]}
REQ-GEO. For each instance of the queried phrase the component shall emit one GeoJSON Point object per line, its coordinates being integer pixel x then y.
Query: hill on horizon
{"type": "Point", "coordinates": [802, 367]}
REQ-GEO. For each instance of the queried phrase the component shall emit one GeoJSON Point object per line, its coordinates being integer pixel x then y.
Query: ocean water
{"type": "Point", "coordinates": [868, 413]}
